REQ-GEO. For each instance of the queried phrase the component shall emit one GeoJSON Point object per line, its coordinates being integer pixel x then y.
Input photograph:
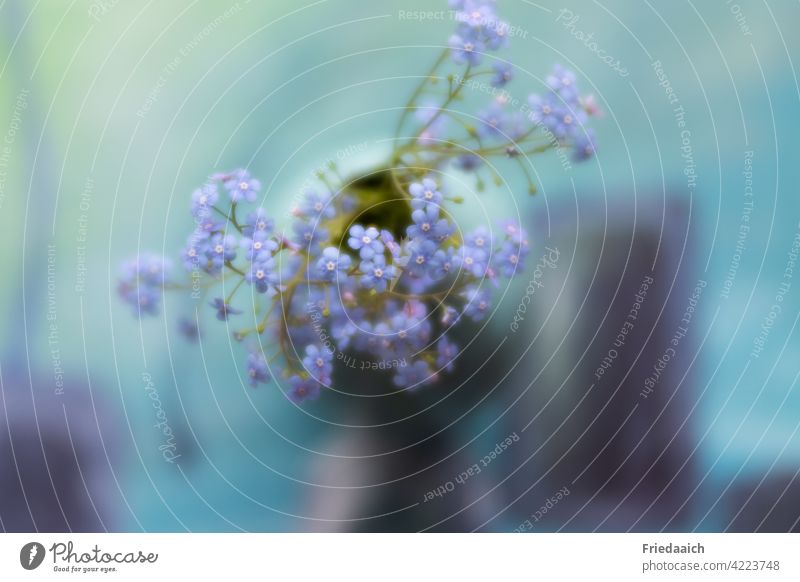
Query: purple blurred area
{"type": "Point", "coordinates": [55, 463]}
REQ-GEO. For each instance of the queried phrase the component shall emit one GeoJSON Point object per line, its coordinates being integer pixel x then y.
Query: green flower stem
{"type": "Point", "coordinates": [413, 99]}
{"type": "Point", "coordinates": [234, 269]}
{"type": "Point", "coordinates": [452, 94]}
{"type": "Point", "coordinates": [324, 179]}
{"type": "Point", "coordinates": [262, 325]}
{"type": "Point", "coordinates": [235, 289]}
{"type": "Point", "coordinates": [233, 220]}
{"type": "Point", "coordinates": [285, 299]}
{"type": "Point", "coordinates": [524, 168]}
{"type": "Point", "coordinates": [187, 286]}
{"type": "Point", "coordinates": [450, 151]}
{"type": "Point", "coordinates": [229, 216]}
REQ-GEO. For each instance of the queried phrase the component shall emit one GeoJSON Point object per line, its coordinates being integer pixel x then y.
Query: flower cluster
{"type": "Point", "coordinates": [479, 29]}
{"type": "Point", "coordinates": [560, 116]}
{"type": "Point", "coordinates": [369, 293]}
{"type": "Point", "coordinates": [142, 281]}
{"type": "Point", "coordinates": [551, 119]}
{"type": "Point", "coordinates": [563, 113]}
{"type": "Point", "coordinates": [343, 278]}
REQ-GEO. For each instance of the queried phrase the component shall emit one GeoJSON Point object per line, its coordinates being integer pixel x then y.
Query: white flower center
{"type": "Point", "coordinates": [378, 272]}
{"type": "Point", "coordinates": [318, 206]}
{"type": "Point", "coordinates": [244, 185]}
{"type": "Point", "coordinates": [259, 274]}
{"type": "Point", "coordinates": [479, 241]}
{"type": "Point", "coordinates": [320, 362]}
{"type": "Point", "coordinates": [425, 227]}
{"type": "Point", "coordinates": [420, 259]}
{"type": "Point", "coordinates": [331, 266]}
{"type": "Point", "coordinates": [218, 249]}
{"type": "Point", "coordinates": [257, 245]}
{"type": "Point", "coordinates": [513, 259]}
{"type": "Point", "coordinates": [568, 119]}
{"type": "Point", "coordinates": [428, 195]}
{"type": "Point", "coordinates": [366, 240]}
{"type": "Point", "coordinates": [469, 260]}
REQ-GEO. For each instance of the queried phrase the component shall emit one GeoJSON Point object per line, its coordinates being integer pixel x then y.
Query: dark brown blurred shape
{"type": "Point", "coordinates": [620, 443]}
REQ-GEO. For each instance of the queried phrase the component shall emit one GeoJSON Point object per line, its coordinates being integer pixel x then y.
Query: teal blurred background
{"type": "Point", "coordinates": [113, 112]}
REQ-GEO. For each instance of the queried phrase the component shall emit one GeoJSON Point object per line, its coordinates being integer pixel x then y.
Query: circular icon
{"type": "Point", "coordinates": [31, 555]}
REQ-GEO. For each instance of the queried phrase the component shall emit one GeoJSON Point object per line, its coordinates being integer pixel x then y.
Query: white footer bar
{"type": "Point", "coordinates": [406, 557]}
